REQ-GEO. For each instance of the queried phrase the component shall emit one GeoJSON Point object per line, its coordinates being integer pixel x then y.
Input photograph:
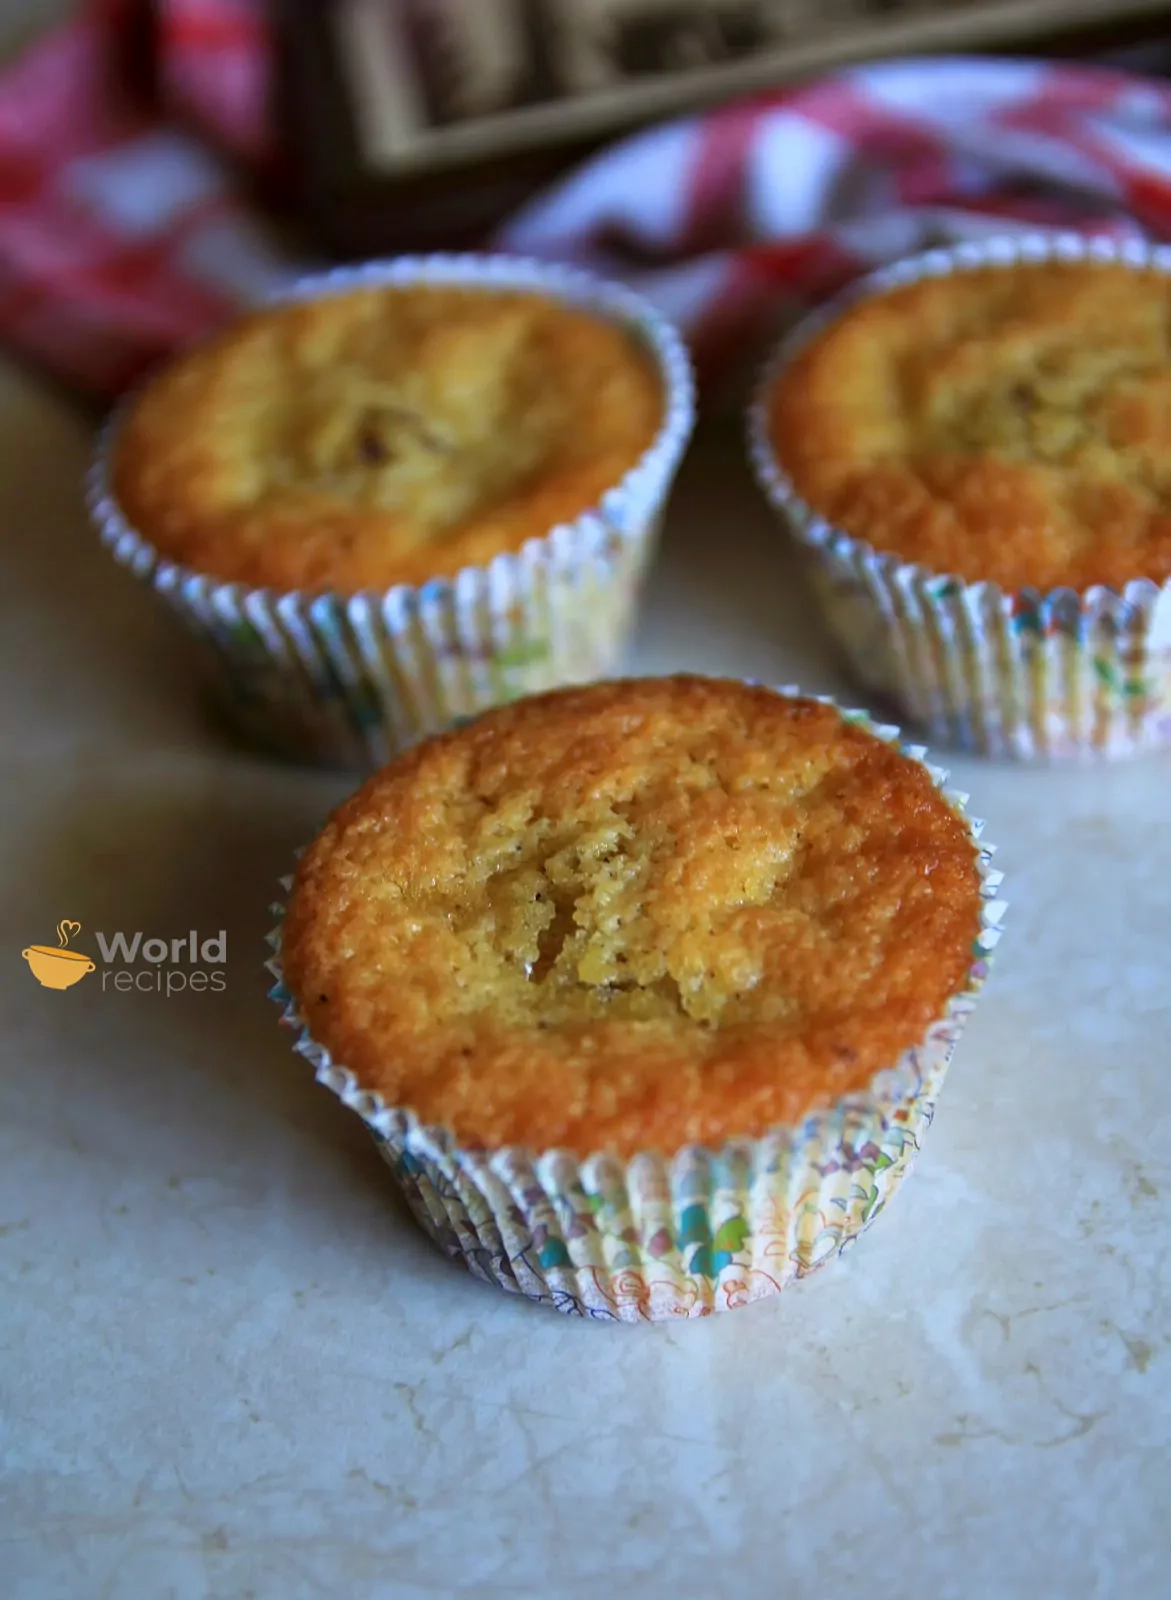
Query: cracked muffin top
{"type": "Point", "coordinates": [383, 435]}
{"type": "Point", "coordinates": [635, 915]}
{"type": "Point", "coordinates": [1010, 424]}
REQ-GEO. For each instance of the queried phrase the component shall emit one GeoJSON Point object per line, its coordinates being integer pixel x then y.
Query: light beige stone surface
{"type": "Point", "coordinates": [232, 1366]}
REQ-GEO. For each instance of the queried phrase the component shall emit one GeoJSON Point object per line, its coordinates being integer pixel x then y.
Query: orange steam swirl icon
{"type": "Point", "coordinates": [58, 967]}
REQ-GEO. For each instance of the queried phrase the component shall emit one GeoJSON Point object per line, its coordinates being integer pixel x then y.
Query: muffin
{"type": "Point", "coordinates": [403, 493]}
{"type": "Point", "coordinates": [647, 988]}
{"type": "Point", "coordinates": [974, 449]}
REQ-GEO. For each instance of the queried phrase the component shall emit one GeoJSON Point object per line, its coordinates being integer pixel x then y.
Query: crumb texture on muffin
{"type": "Point", "coordinates": [1010, 425]}
{"type": "Point", "coordinates": [383, 435]}
{"type": "Point", "coordinates": [634, 915]}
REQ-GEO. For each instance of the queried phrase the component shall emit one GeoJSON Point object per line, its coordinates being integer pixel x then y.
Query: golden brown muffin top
{"type": "Point", "coordinates": [634, 915]}
{"type": "Point", "coordinates": [1011, 424]}
{"type": "Point", "coordinates": [384, 435]}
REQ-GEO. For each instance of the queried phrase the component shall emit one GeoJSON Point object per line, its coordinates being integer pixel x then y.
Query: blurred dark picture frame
{"type": "Point", "coordinates": [421, 123]}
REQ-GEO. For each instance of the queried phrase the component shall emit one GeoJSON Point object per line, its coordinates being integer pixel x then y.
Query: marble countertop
{"type": "Point", "coordinates": [232, 1366]}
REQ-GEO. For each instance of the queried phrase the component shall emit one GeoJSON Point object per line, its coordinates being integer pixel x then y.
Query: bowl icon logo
{"type": "Point", "coordinates": [56, 966]}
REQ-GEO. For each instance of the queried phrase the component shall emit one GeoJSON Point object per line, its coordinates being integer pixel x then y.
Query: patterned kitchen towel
{"type": "Point", "coordinates": [126, 140]}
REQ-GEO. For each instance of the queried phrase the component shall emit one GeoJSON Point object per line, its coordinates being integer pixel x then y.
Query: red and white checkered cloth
{"type": "Point", "coordinates": [124, 232]}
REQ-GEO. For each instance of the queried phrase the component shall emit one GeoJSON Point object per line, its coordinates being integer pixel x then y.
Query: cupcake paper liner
{"type": "Point", "coordinates": [1032, 674]}
{"type": "Point", "coordinates": [351, 679]}
{"type": "Point", "coordinates": [657, 1236]}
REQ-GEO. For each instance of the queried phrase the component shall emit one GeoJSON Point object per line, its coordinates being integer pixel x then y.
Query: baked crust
{"type": "Point", "coordinates": [383, 436]}
{"type": "Point", "coordinates": [634, 915]}
{"type": "Point", "coordinates": [1011, 424]}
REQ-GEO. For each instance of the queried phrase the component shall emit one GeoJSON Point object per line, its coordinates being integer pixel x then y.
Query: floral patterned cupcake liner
{"type": "Point", "coordinates": [1028, 675]}
{"type": "Point", "coordinates": [655, 1237]}
{"type": "Point", "coordinates": [349, 680]}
